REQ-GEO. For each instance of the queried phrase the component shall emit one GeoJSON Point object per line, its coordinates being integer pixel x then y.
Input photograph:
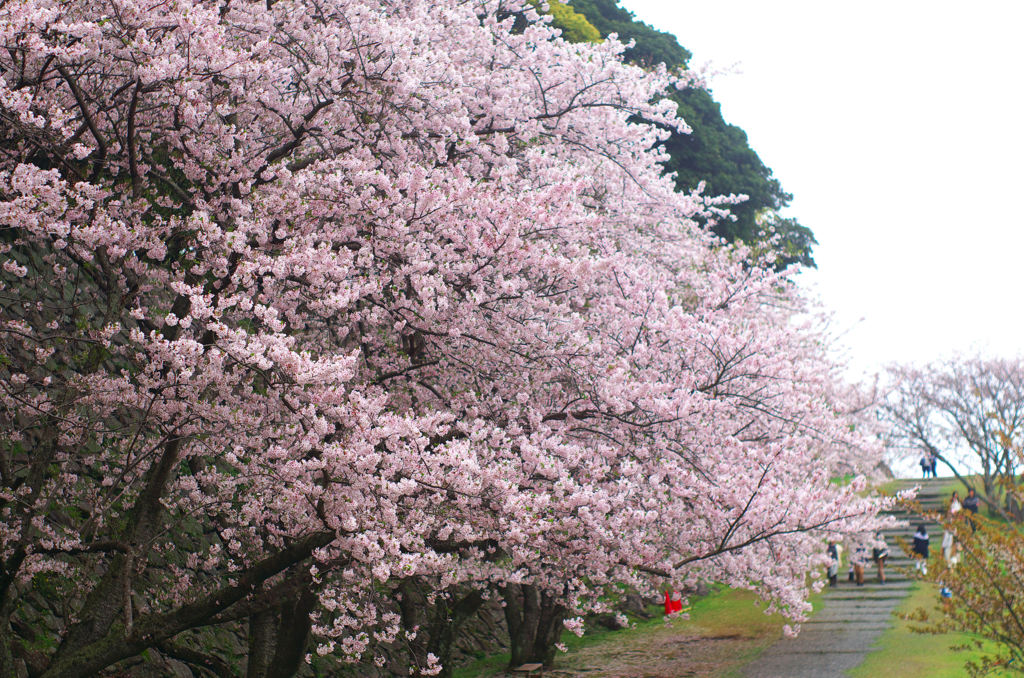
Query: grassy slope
{"type": "Point", "coordinates": [921, 655]}
{"type": "Point", "coordinates": [946, 484]}
{"type": "Point", "coordinates": [725, 631]}
{"type": "Point", "coordinates": [918, 655]}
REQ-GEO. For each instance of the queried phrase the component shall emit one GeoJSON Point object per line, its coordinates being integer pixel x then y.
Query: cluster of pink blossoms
{"type": "Point", "coordinates": [301, 299]}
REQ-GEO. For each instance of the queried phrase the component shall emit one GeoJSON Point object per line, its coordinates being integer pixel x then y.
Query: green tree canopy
{"type": "Point", "coordinates": [652, 46]}
{"type": "Point", "coordinates": [715, 152]}
{"type": "Point", "coordinates": [719, 154]}
{"type": "Point", "coordinates": [575, 27]}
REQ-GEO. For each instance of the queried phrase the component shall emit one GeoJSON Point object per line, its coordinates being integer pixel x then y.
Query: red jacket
{"type": "Point", "coordinates": [673, 605]}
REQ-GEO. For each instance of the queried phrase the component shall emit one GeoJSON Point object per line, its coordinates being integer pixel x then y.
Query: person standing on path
{"type": "Point", "coordinates": [880, 553]}
{"type": "Point", "coordinates": [921, 549]}
{"type": "Point", "coordinates": [971, 501]}
{"type": "Point", "coordinates": [932, 461]}
{"type": "Point", "coordinates": [971, 504]}
{"type": "Point", "coordinates": [925, 465]}
{"type": "Point", "coordinates": [859, 558]}
{"type": "Point", "coordinates": [833, 563]}
{"type": "Point", "coordinates": [949, 545]}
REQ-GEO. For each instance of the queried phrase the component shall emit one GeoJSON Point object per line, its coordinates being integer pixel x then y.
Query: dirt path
{"type": "Point", "coordinates": [664, 654]}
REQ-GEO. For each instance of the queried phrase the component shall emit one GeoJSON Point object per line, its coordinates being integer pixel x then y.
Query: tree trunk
{"type": "Point", "coordinates": [261, 644]}
{"type": "Point", "coordinates": [278, 636]}
{"type": "Point", "coordinates": [449, 622]}
{"type": "Point", "coordinates": [293, 634]}
{"type": "Point", "coordinates": [534, 624]}
{"type": "Point", "coordinates": [6, 656]}
{"type": "Point", "coordinates": [1014, 508]}
{"type": "Point", "coordinates": [439, 623]}
{"type": "Point", "coordinates": [549, 629]}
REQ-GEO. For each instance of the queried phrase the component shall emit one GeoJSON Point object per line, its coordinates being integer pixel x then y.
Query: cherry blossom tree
{"type": "Point", "coordinates": [969, 413]}
{"type": "Point", "coordinates": [305, 299]}
{"type": "Point", "coordinates": [984, 579]}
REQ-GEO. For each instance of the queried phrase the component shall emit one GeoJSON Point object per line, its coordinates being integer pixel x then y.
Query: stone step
{"type": "Point", "coordinates": [887, 596]}
{"type": "Point", "coordinates": [816, 640]}
{"type": "Point", "coordinates": [911, 516]}
{"type": "Point", "coordinates": [864, 602]}
{"type": "Point", "coordinates": [905, 512]}
{"type": "Point", "coordinates": [879, 617]}
{"type": "Point", "coordinates": [871, 588]}
{"type": "Point", "coordinates": [870, 625]}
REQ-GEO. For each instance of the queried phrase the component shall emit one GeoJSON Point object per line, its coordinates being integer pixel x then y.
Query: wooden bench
{"type": "Point", "coordinates": [529, 669]}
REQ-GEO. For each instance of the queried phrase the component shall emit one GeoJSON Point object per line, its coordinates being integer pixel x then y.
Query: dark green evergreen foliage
{"type": "Point", "coordinates": [652, 46]}
{"type": "Point", "coordinates": [718, 154]}
{"type": "Point", "coordinates": [715, 152]}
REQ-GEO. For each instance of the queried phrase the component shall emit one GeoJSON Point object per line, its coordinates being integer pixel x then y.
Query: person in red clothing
{"type": "Point", "coordinates": [673, 602]}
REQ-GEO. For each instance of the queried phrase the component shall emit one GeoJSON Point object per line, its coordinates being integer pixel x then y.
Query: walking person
{"type": "Point", "coordinates": [971, 504]}
{"type": "Point", "coordinates": [859, 558]}
{"type": "Point", "coordinates": [949, 545]}
{"type": "Point", "coordinates": [833, 563]}
{"type": "Point", "coordinates": [950, 549]}
{"type": "Point", "coordinates": [932, 461]}
{"type": "Point", "coordinates": [921, 549]}
{"type": "Point", "coordinates": [925, 465]}
{"type": "Point", "coordinates": [880, 555]}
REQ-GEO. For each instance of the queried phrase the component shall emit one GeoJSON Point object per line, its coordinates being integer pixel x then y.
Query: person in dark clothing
{"type": "Point", "coordinates": [971, 501]}
{"type": "Point", "coordinates": [932, 461]}
{"type": "Point", "coordinates": [921, 549]}
{"type": "Point", "coordinates": [925, 465]}
{"type": "Point", "coordinates": [833, 564]}
{"type": "Point", "coordinates": [971, 504]}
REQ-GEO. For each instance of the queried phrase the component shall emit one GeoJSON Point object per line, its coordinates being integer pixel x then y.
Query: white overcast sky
{"type": "Point", "coordinates": [898, 126]}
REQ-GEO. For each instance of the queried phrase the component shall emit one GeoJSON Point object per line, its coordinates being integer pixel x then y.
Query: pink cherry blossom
{"type": "Point", "coordinates": [303, 299]}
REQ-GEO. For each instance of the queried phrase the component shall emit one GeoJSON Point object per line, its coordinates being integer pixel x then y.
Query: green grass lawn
{"type": "Point", "coordinates": [734, 628]}
{"type": "Point", "coordinates": [919, 655]}
{"type": "Point", "coordinates": [947, 485]}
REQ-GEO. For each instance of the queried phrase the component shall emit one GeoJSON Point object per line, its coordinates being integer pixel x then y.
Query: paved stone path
{"type": "Point", "coordinates": [839, 636]}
